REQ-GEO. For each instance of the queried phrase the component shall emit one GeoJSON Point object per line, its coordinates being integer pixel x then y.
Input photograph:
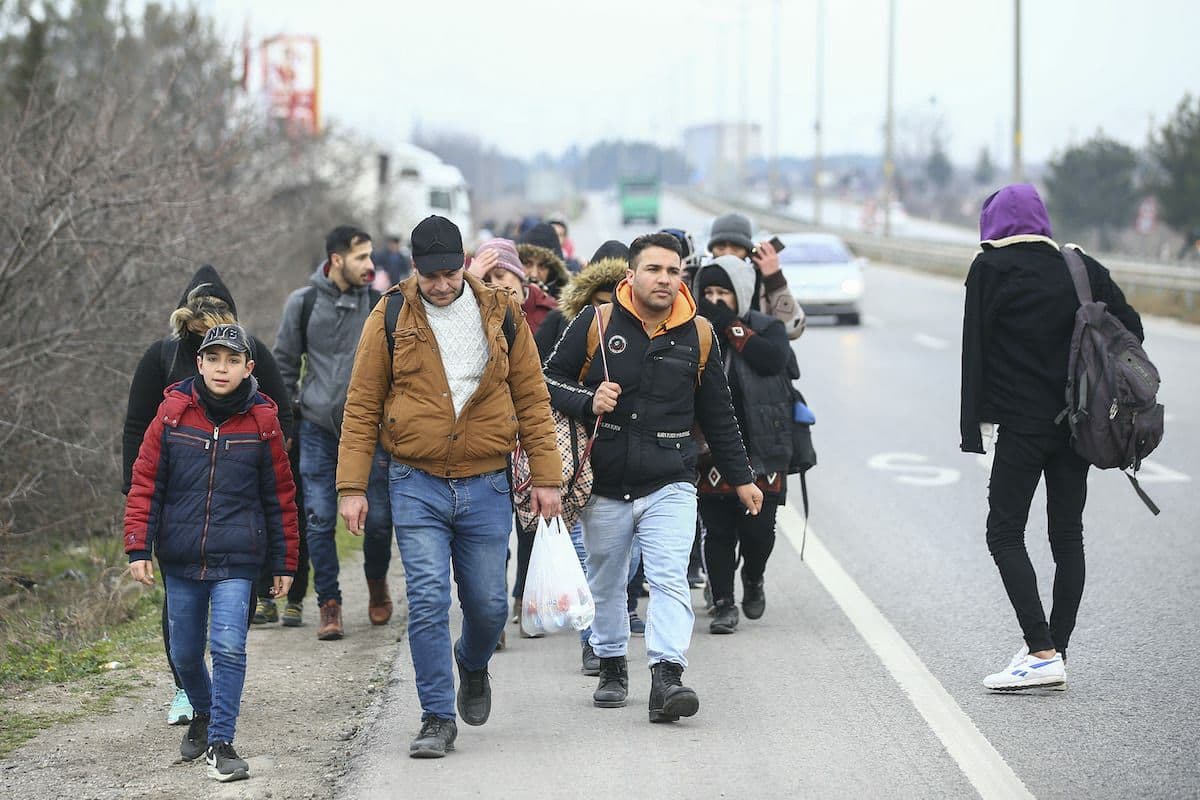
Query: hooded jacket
{"type": "Point", "coordinates": [213, 502]}
{"type": "Point", "coordinates": [576, 296]}
{"type": "Point", "coordinates": [1018, 319]}
{"type": "Point", "coordinates": [559, 275]}
{"type": "Point", "coordinates": [646, 442]}
{"type": "Point", "coordinates": [403, 401]}
{"type": "Point", "coordinates": [333, 331]}
{"type": "Point", "coordinates": [150, 379]}
{"type": "Point", "coordinates": [537, 307]}
{"type": "Point", "coordinates": [757, 356]}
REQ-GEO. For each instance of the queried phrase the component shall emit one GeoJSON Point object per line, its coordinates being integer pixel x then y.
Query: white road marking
{"type": "Point", "coordinates": [932, 342]}
{"type": "Point", "coordinates": [1153, 472]}
{"type": "Point", "coordinates": [979, 761]}
{"type": "Point", "coordinates": [913, 469]}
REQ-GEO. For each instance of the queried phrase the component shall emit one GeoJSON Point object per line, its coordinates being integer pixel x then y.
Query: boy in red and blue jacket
{"type": "Point", "coordinates": [212, 497]}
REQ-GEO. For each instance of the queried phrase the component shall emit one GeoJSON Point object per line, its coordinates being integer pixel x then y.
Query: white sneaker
{"type": "Point", "coordinates": [1026, 672]}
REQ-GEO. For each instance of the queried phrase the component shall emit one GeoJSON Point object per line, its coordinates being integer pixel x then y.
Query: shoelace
{"type": "Point", "coordinates": [224, 750]}
{"type": "Point", "coordinates": [672, 673]}
{"type": "Point", "coordinates": [432, 727]}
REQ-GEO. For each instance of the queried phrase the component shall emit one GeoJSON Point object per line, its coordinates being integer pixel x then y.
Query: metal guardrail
{"type": "Point", "coordinates": [955, 259]}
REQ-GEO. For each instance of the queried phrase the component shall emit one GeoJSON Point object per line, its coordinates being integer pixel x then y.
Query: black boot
{"type": "Point", "coordinates": [591, 661]}
{"type": "Point", "coordinates": [669, 698]}
{"type": "Point", "coordinates": [725, 617]}
{"type": "Point", "coordinates": [754, 600]}
{"type": "Point", "coordinates": [613, 688]}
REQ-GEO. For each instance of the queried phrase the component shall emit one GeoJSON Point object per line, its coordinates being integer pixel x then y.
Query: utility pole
{"type": "Point", "coordinates": [773, 179]}
{"type": "Point", "coordinates": [818, 164]}
{"type": "Point", "coordinates": [743, 101]}
{"type": "Point", "coordinates": [1018, 169]}
{"type": "Point", "coordinates": [889, 166]}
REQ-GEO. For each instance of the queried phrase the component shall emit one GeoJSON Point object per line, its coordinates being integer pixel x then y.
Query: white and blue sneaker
{"type": "Point", "coordinates": [181, 709]}
{"type": "Point", "coordinates": [1028, 672]}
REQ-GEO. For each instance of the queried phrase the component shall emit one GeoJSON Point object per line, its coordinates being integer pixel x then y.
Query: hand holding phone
{"type": "Point", "coordinates": [766, 256]}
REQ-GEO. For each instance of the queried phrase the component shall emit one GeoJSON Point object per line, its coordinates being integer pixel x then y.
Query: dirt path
{"type": "Point", "coordinates": [304, 703]}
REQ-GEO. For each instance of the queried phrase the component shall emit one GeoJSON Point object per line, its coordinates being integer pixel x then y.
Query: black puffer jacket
{"type": "Point", "coordinates": [1017, 325]}
{"type": "Point", "coordinates": [646, 442]}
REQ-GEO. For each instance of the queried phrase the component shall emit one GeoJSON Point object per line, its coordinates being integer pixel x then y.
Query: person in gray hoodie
{"type": "Point", "coordinates": [322, 323]}
{"type": "Point", "coordinates": [757, 357]}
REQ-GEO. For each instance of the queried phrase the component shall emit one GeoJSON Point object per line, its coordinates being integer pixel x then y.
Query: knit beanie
{"type": "Point", "coordinates": [713, 275]}
{"type": "Point", "coordinates": [508, 258]}
{"type": "Point", "coordinates": [610, 249]}
{"type": "Point", "coordinates": [733, 228]}
{"type": "Point", "coordinates": [543, 235]}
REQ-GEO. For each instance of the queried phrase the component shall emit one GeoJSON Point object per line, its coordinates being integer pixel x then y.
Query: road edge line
{"type": "Point", "coordinates": [976, 757]}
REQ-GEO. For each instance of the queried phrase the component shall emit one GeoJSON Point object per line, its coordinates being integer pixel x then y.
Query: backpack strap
{"type": "Point", "coordinates": [1079, 275]}
{"type": "Point", "coordinates": [167, 354]}
{"type": "Point", "coordinates": [306, 311]}
{"type": "Point", "coordinates": [704, 330]}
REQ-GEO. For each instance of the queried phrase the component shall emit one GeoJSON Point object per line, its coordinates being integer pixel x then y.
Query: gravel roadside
{"type": "Point", "coordinates": [303, 706]}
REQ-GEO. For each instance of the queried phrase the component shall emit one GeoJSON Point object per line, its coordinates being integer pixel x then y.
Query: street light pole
{"type": "Point", "coordinates": [775, 100]}
{"type": "Point", "coordinates": [1018, 169]}
{"type": "Point", "coordinates": [818, 163]}
{"type": "Point", "coordinates": [889, 167]}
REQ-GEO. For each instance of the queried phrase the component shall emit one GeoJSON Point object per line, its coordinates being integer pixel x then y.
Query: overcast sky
{"type": "Point", "coordinates": [530, 75]}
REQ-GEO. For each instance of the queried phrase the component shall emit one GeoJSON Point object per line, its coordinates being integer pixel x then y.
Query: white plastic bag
{"type": "Point", "coordinates": [557, 596]}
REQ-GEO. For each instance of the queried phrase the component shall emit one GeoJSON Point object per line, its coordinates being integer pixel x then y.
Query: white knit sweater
{"type": "Point", "coordinates": [458, 329]}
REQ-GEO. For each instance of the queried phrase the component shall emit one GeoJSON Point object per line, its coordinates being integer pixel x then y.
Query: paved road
{"type": "Point", "coordinates": [815, 697]}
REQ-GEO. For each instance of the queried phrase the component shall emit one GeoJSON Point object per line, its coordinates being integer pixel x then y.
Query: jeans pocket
{"type": "Point", "coordinates": [398, 471]}
{"type": "Point", "coordinates": [498, 481]}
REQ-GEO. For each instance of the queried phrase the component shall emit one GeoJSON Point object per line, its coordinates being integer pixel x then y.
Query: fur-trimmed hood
{"type": "Point", "coordinates": [559, 274]}
{"type": "Point", "coordinates": [578, 293]}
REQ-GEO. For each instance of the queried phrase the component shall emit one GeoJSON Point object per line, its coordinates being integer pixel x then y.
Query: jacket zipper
{"type": "Point", "coordinates": [212, 474]}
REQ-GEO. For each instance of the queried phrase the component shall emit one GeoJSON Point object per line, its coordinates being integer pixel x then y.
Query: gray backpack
{"type": "Point", "coordinates": [1115, 418]}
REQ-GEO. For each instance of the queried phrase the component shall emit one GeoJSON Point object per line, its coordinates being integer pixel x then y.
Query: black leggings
{"type": "Point", "coordinates": [1020, 461]}
{"type": "Point", "coordinates": [726, 526]}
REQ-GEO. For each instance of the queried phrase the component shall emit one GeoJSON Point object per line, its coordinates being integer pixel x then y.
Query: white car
{"type": "Point", "coordinates": [825, 277]}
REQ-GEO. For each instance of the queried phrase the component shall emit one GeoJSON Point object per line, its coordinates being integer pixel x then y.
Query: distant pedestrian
{"type": "Point", "coordinates": [448, 396]}
{"type": "Point", "coordinates": [541, 254]}
{"type": "Point", "coordinates": [497, 263]}
{"type": "Point", "coordinates": [659, 383]}
{"type": "Point", "coordinates": [212, 497]}
{"type": "Point", "coordinates": [730, 235]}
{"type": "Point", "coordinates": [1017, 327]}
{"type": "Point", "coordinates": [757, 357]}
{"type": "Point", "coordinates": [206, 303]}
{"type": "Point", "coordinates": [392, 265]}
{"type": "Point", "coordinates": [321, 324]}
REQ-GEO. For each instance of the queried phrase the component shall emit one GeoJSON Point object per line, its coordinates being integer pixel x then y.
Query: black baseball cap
{"type": "Point", "coordinates": [436, 245]}
{"type": "Point", "coordinates": [232, 336]}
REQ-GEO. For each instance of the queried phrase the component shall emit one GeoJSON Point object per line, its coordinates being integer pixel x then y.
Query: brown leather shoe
{"type": "Point", "coordinates": [331, 621]}
{"type": "Point", "coordinates": [379, 607]}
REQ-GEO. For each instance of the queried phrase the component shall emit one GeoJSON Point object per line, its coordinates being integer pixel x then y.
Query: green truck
{"type": "Point", "coordinates": [639, 199]}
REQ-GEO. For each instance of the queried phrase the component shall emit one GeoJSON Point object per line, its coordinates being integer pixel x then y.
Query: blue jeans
{"type": "Point", "coordinates": [188, 607]}
{"type": "Point", "coordinates": [663, 525]}
{"type": "Point", "coordinates": [464, 522]}
{"type": "Point", "coordinates": [581, 551]}
{"type": "Point", "coordinates": [318, 468]}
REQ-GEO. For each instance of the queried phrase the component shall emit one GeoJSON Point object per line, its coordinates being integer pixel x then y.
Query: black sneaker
{"type": "Point", "coordinates": [669, 698]}
{"type": "Point", "coordinates": [613, 688]}
{"type": "Point", "coordinates": [754, 599]}
{"type": "Point", "coordinates": [695, 578]}
{"type": "Point", "coordinates": [195, 739]}
{"type": "Point", "coordinates": [591, 661]}
{"type": "Point", "coordinates": [435, 739]}
{"type": "Point", "coordinates": [474, 695]}
{"type": "Point", "coordinates": [224, 764]}
{"type": "Point", "coordinates": [725, 617]}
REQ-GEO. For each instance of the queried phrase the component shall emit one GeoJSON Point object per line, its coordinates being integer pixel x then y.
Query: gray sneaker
{"type": "Point", "coordinates": [435, 739]}
{"type": "Point", "coordinates": [224, 764]}
{"type": "Point", "coordinates": [195, 738]}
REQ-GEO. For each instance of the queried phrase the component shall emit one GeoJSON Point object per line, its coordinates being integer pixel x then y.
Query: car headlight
{"type": "Point", "coordinates": [853, 286]}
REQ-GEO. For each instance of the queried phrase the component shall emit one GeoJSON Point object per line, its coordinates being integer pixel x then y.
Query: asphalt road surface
{"type": "Point", "coordinates": [863, 678]}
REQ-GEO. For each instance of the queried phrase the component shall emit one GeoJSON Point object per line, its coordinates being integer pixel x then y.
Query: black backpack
{"type": "Point", "coordinates": [1112, 386]}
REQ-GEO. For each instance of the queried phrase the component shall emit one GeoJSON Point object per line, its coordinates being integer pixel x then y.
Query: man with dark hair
{"type": "Point", "coordinates": [446, 375]}
{"type": "Point", "coordinates": [322, 323]}
{"type": "Point", "coordinates": [645, 372]}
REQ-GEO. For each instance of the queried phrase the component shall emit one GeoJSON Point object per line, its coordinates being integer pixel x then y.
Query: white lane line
{"type": "Point", "coordinates": [932, 342]}
{"type": "Point", "coordinates": [985, 768]}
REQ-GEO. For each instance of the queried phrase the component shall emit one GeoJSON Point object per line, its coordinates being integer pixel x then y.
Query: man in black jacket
{"type": "Point", "coordinates": [1017, 326]}
{"type": "Point", "coordinates": [649, 383]}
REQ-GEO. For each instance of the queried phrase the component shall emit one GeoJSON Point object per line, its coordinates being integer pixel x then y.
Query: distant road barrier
{"type": "Point", "coordinates": [1162, 288]}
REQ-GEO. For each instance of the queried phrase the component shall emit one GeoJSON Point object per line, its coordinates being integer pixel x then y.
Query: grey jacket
{"type": "Point", "coordinates": [333, 332]}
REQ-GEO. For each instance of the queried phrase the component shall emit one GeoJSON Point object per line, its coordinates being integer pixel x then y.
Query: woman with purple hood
{"type": "Point", "coordinates": [1017, 326]}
